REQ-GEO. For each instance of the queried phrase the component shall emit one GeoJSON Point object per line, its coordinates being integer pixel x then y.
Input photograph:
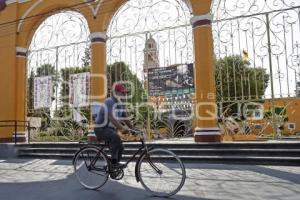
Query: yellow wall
{"type": "Point", "coordinates": [8, 70]}
{"type": "Point", "coordinates": [292, 113]}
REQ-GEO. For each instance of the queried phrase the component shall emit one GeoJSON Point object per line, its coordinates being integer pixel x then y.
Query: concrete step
{"type": "Point", "coordinates": [225, 145]}
{"type": "Point", "coordinates": [184, 152]}
{"type": "Point", "coordinates": [272, 153]}
{"type": "Point", "coordinates": [291, 161]}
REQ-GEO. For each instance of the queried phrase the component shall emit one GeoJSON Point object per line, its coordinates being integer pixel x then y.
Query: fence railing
{"type": "Point", "coordinates": [15, 124]}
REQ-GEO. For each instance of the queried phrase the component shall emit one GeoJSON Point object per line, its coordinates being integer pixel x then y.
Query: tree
{"type": "Point", "coordinates": [86, 59]}
{"type": "Point", "coordinates": [46, 70]}
{"type": "Point", "coordinates": [119, 71]}
{"type": "Point", "coordinates": [237, 83]}
{"type": "Point", "coordinates": [236, 80]}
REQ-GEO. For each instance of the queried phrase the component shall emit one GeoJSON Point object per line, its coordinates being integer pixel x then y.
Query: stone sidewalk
{"type": "Point", "coordinates": [25, 179]}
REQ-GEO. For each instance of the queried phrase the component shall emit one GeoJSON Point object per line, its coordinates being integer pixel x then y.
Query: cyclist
{"type": "Point", "coordinates": [109, 121]}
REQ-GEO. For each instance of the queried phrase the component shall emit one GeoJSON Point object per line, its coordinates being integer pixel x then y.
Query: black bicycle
{"type": "Point", "coordinates": [160, 171]}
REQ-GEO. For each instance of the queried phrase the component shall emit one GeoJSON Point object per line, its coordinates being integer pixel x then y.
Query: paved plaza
{"type": "Point", "coordinates": [35, 179]}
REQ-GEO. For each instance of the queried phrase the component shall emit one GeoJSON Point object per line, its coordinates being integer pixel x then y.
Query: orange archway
{"type": "Point", "coordinates": [20, 19]}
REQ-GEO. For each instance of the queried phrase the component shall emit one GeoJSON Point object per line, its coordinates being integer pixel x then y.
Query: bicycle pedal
{"type": "Point", "coordinates": [118, 175]}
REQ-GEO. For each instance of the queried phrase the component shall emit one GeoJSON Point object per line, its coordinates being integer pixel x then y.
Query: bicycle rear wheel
{"type": "Point", "coordinates": [91, 167]}
{"type": "Point", "coordinates": [161, 172]}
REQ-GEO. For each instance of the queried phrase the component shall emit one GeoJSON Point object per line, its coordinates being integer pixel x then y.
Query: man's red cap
{"type": "Point", "coordinates": [119, 87]}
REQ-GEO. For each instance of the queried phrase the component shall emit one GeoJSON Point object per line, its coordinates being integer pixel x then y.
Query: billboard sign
{"type": "Point", "coordinates": [169, 81]}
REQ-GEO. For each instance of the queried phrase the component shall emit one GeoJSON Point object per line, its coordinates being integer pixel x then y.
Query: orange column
{"type": "Point", "coordinates": [98, 73]}
{"type": "Point", "coordinates": [21, 54]}
{"type": "Point", "coordinates": [206, 108]}
{"type": "Point", "coordinates": [98, 70]}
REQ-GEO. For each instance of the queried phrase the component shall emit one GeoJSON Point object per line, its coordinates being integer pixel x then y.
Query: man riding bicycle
{"type": "Point", "coordinates": [153, 169]}
{"type": "Point", "coordinates": [109, 121]}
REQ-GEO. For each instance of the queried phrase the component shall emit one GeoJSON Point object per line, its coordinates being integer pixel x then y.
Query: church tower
{"type": "Point", "coordinates": [151, 53]}
{"type": "Point", "coordinates": [151, 57]}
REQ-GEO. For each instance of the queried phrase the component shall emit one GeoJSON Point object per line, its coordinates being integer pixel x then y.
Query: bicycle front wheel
{"type": "Point", "coordinates": [161, 172]}
{"type": "Point", "coordinates": [91, 167]}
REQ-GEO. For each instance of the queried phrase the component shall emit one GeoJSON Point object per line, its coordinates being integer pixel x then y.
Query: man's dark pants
{"type": "Point", "coordinates": [115, 144]}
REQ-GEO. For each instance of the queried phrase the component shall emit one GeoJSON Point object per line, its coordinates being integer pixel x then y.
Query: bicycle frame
{"type": "Point", "coordinates": [96, 160]}
{"type": "Point", "coordinates": [143, 149]}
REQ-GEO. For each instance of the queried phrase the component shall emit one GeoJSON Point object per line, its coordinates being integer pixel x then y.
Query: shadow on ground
{"type": "Point", "coordinates": [70, 189]}
{"type": "Point", "coordinates": [260, 169]}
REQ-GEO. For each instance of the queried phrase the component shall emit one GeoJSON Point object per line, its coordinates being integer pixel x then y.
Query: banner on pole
{"type": "Point", "coordinates": [43, 92]}
{"type": "Point", "coordinates": [79, 89]}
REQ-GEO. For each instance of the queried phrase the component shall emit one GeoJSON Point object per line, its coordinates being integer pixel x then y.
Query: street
{"type": "Point", "coordinates": [34, 179]}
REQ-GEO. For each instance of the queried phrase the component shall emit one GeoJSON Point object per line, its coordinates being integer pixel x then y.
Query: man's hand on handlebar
{"type": "Point", "coordinates": [134, 132]}
{"type": "Point", "coordinates": [126, 131]}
